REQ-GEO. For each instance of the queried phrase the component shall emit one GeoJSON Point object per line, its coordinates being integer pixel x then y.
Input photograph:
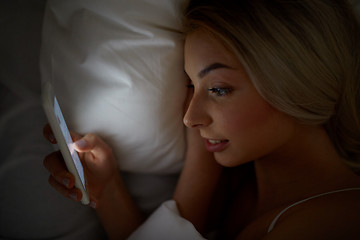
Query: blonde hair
{"type": "Point", "coordinates": [303, 57]}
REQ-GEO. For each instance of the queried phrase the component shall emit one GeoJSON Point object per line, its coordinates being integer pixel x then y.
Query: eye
{"type": "Point", "coordinates": [220, 92]}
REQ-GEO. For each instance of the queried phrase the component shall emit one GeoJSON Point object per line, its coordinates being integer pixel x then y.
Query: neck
{"type": "Point", "coordinates": [306, 166]}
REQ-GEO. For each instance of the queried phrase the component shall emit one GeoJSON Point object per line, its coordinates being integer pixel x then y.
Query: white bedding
{"type": "Point", "coordinates": [166, 224]}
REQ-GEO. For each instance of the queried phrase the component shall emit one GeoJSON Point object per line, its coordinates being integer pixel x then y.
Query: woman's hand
{"type": "Point", "coordinates": [98, 161]}
{"type": "Point", "coordinates": [198, 181]}
{"type": "Point", "coordinates": [108, 193]}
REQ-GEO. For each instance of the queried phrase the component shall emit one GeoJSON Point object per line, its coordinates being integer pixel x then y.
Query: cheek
{"type": "Point", "coordinates": [251, 116]}
{"type": "Point", "coordinates": [253, 133]}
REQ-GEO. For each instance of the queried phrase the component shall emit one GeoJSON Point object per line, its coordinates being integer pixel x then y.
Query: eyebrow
{"type": "Point", "coordinates": [210, 68]}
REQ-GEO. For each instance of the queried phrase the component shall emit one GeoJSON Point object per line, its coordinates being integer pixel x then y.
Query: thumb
{"type": "Point", "coordinates": [97, 156]}
{"type": "Point", "coordinates": [94, 145]}
{"type": "Point", "coordinates": [81, 145]}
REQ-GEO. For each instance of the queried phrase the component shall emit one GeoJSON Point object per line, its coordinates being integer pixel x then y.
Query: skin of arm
{"type": "Point", "coordinates": [198, 181]}
{"type": "Point", "coordinates": [117, 210]}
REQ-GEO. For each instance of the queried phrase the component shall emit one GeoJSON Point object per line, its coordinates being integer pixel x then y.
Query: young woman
{"type": "Point", "coordinates": [274, 127]}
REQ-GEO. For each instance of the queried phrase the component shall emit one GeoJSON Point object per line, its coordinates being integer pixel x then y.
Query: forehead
{"type": "Point", "coordinates": [203, 49]}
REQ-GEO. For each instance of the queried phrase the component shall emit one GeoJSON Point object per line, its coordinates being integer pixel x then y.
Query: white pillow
{"type": "Point", "coordinates": [117, 70]}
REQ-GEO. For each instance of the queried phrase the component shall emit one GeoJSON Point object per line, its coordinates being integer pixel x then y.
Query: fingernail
{"type": "Point", "coordinates": [66, 182]}
{"type": "Point", "coordinates": [73, 196]}
{"type": "Point", "coordinates": [81, 143]}
{"type": "Point", "coordinates": [92, 204]}
{"type": "Point", "coordinates": [51, 137]}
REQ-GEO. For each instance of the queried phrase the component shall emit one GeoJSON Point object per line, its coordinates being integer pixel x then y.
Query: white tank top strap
{"type": "Point", "coordinates": [304, 200]}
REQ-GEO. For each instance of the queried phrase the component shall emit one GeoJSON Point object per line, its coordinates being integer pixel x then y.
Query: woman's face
{"type": "Point", "coordinates": [237, 124]}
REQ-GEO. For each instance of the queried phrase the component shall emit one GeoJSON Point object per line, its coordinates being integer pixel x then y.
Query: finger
{"type": "Point", "coordinates": [75, 136]}
{"type": "Point", "coordinates": [48, 134]}
{"type": "Point", "coordinates": [55, 164]}
{"type": "Point", "coordinates": [93, 203]}
{"type": "Point", "coordinates": [73, 193]}
{"type": "Point", "coordinates": [95, 145]}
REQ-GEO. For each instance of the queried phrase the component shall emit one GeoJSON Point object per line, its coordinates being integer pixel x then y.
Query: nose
{"type": "Point", "coordinates": [197, 115]}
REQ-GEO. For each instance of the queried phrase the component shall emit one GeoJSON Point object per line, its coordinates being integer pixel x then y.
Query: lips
{"type": "Point", "coordinates": [216, 145]}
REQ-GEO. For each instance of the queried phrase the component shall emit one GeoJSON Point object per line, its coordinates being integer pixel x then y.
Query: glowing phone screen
{"type": "Point", "coordinates": [66, 133]}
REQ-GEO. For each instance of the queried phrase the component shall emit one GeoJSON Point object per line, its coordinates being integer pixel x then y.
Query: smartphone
{"type": "Point", "coordinates": [64, 140]}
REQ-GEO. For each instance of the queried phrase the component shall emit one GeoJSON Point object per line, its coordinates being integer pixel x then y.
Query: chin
{"type": "Point", "coordinates": [227, 161]}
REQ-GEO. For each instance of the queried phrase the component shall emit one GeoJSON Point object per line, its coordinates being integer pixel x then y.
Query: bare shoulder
{"type": "Point", "coordinates": [333, 216]}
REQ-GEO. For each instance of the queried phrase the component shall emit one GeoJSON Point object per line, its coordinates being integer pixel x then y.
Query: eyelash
{"type": "Point", "coordinates": [220, 92]}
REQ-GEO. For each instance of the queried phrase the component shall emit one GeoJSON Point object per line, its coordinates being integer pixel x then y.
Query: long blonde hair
{"type": "Point", "coordinates": [303, 57]}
